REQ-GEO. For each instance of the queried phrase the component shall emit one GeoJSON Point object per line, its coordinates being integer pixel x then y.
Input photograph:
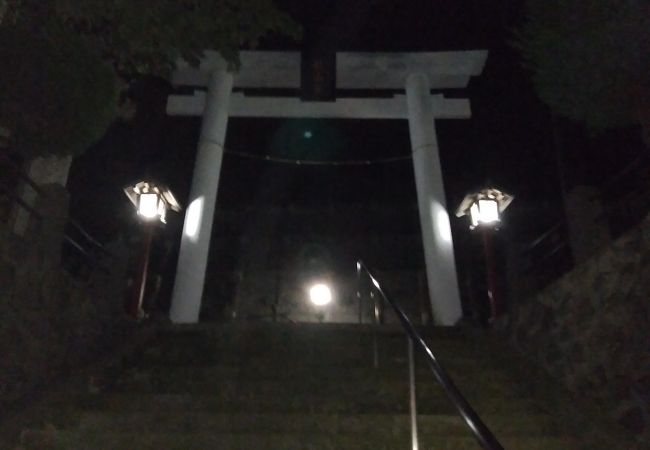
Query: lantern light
{"type": "Point", "coordinates": [485, 207]}
{"type": "Point", "coordinates": [152, 200]}
{"type": "Point", "coordinates": [148, 205]}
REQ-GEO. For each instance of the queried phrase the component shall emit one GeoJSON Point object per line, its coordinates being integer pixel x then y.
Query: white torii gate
{"type": "Point", "coordinates": [417, 73]}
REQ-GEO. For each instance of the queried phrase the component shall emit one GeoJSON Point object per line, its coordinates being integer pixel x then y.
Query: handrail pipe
{"type": "Point", "coordinates": [481, 432]}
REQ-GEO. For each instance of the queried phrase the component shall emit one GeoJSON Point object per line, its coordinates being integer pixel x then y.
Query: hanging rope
{"type": "Point", "coordinates": [312, 162]}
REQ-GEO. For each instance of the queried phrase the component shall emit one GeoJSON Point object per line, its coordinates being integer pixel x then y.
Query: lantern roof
{"type": "Point", "coordinates": [149, 187]}
{"type": "Point", "coordinates": [503, 200]}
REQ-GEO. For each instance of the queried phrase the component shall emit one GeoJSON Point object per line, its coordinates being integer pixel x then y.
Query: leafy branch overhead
{"type": "Point", "coordinates": [589, 58]}
{"type": "Point", "coordinates": [146, 36]}
{"type": "Point", "coordinates": [57, 96]}
{"type": "Point", "coordinates": [65, 61]}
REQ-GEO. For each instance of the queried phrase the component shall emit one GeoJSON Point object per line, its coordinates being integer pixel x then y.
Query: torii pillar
{"type": "Point", "coordinates": [432, 204]}
{"type": "Point", "coordinates": [417, 73]}
{"type": "Point", "coordinates": [197, 228]}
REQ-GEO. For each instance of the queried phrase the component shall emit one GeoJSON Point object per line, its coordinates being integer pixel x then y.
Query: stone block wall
{"type": "Point", "coordinates": [50, 322]}
{"type": "Point", "coordinates": [590, 328]}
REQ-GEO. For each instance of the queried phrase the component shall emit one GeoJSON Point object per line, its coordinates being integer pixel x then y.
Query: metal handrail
{"type": "Point", "coordinates": [20, 201]}
{"type": "Point", "coordinates": [544, 235]}
{"type": "Point", "coordinates": [481, 432]}
{"type": "Point", "coordinates": [74, 224]}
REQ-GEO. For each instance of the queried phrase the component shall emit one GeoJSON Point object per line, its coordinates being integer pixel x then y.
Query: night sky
{"type": "Point", "coordinates": [508, 143]}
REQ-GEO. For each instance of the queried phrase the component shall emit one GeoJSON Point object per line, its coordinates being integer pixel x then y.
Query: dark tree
{"type": "Point", "coordinates": [589, 59]}
{"type": "Point", "coordinates": [67, 62]}
{"type": "Point", "coordinates": [57, 95]}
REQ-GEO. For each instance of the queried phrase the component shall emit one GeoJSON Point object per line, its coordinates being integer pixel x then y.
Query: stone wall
{"type": "Point", "coordinates": [50, 322]}
{"type": "Point", "coordinates": [590, 328]}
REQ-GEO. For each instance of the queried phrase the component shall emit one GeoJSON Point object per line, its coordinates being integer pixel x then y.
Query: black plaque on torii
{"type": "Point", "coordinates": [317, 69]}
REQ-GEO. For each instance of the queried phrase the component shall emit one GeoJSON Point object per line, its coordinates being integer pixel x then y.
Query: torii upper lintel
{"type": "Point", "coordinates": [354, 70]}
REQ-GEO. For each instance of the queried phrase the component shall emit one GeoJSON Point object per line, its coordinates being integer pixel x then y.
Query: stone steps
{"type": "Point", "coordinates": [307, 386]}
{"type": "Point", "coordinates": [253, 371]}
{"type": "Point", "coordinates": [350, 354]}
{"type": "Point", "coordinates": [379, 425]}
{"type": "Point", "coordinates": [262, 342]}
{"type": "Point", "coordinates": [274, 362]}
{"type": "Point", "coordinates": [286, 441]}
{"type": "Point", "coordinates": [258, 402]}
{"type": "Point", "coordinates": [382, 393]}
{"type": "Point", "coordinates": [323, 341]}
{"type": "Point", "coordinates": [332, 381]}
{"type": "Point", "coordinates": [243, 352]}
{"type": "Point", "coordinates": [305, 330]}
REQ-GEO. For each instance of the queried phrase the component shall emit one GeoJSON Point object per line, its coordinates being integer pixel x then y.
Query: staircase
{"type": "Point", "coordinates": [302, 386]}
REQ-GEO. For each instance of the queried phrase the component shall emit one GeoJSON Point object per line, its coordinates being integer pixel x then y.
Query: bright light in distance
{"type": "Point", "coordinates": [193, 219]}
{"type": "Point", "coordinates": [307, 134]}
{"type": "Point", "coordinates": [320, 294]}
{"type": "Point", "coordinates": [148, 206]}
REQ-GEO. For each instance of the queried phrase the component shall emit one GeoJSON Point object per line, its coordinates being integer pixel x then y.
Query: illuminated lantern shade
{"type": "Point", "coordinates": [485, 207]}
{"type": "Point", "coordinates": [152, 200]}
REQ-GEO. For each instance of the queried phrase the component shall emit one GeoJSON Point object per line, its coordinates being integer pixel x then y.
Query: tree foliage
{"type": "Point", "coordinates": [147, 36]}
{"type": "Point", "coordinates": [63, 60]}
{"type": "Point", "coordinates": [589, 58]}
{"type": "Point", "coordinates": [57, 95]}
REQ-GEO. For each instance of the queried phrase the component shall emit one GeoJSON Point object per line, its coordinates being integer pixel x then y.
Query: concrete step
{"type": "Point", "coordinates": [321, 340]}
{"type": "Point", "coordinates": [341, 388]}
{"type": "Point", "coordinates": [359, 353]}
{"type": "Point", "coordinates": [285, 441]}
{"type": "Point", "coordinates": [270, 402]}
{"type": "Point", "coordinates": [252, 371]}
{"type": "Point", "coordinates": [289, 335]}
{"type": "Point", "coordinates": [377, 425]}
{"type": "Point", "coordinates": [301, 378]}
{"type": "Point", "coordinates": [174, 358]}
{"type": "Point", "coordinates": [306, 330]}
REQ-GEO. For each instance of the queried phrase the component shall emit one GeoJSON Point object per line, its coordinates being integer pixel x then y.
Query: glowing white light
{"type": "Point", "coordinates": [486, 212]}
{"type": "Point", "coordinates": [162, 212]}
{"type": "Point", "coordinates": [484, 207]}
{"type": "Point", "coordinates": [320, 294]}
{"type": "Point", "coordinates": [375, 282]}
{"type": "Point", "coordinates": [307, 134]}
{"type": "Point", "coordinates": [474, 214]}
{"type": "Point", "coordinates": [441, 225]}
{"type": "Point", "coordinates": [148, 205]}
{"type": "Point", "coordinates": [444, 228]}
{"type": "Point", "coordinates": [193, 219]}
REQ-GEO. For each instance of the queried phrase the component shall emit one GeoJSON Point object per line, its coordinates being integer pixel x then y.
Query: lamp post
{"type": "Point", "coordinates": [484, 209]}
{"type": "Point", "coordinates": [151, 202]}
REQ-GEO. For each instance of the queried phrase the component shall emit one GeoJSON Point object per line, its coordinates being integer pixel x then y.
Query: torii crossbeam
{"type": "Point", "coordinates": [416, 73]}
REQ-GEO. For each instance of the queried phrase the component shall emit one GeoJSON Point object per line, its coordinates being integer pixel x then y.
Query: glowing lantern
{"type": "Point", "coordinates": [152, 200]}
